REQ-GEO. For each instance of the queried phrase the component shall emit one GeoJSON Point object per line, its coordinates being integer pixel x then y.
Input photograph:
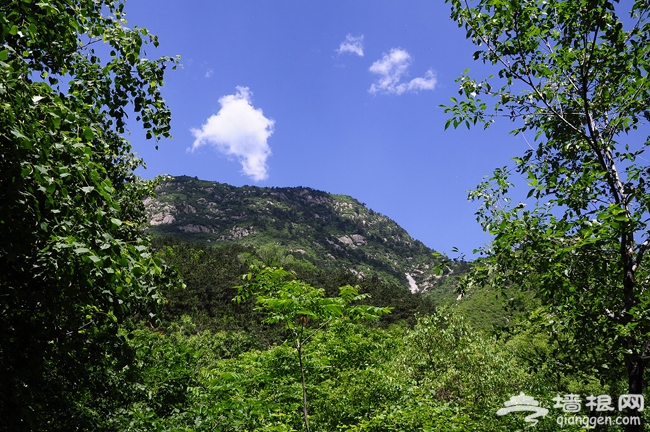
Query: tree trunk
{"type": "Point", "coordinates": [635, 367]}
{"type": "Point", "coordinates": [304, 388]}
{"type": "Point", "coordinates": [634, 363]}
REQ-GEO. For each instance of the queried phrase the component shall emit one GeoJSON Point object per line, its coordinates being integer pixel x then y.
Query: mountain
{"type": "Point", "coordinates": [330, 231]}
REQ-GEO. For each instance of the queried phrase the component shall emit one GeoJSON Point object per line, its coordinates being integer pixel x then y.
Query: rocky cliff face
{"type": "Point", "coordinates": [328, 230]}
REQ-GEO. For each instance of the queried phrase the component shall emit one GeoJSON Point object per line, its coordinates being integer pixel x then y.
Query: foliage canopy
{"type": "Point", "coordinates": [75, 263]}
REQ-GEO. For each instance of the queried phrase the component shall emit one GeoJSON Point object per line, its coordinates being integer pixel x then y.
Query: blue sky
{"type": "Point", "coordinates": [340, 96]}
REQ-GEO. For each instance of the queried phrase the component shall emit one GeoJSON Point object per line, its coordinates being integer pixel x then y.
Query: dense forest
{"type": "Point", "coordinates": [110, 322]}
{"type": "Point", "coordinates": [215, 363]}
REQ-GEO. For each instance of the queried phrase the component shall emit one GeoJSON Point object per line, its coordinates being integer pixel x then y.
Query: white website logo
{"type": "Point", "coordinates": [524, 403]}
{"type": "Point", "coordinates": [572, 404]}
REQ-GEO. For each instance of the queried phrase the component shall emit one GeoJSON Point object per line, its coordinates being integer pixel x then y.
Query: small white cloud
{"type": "Point", "coordinates": [352, 45]}
{"type": "Point", "coordinates": [239, 130]}
{"type": "Point", "coordinates": [209, 73]}
{"type": "Point", "coordinates": [391, 68]}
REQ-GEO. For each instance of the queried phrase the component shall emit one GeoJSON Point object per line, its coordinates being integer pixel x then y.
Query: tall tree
{"type": "Point", "coordinates": [575, 73]}
{"type": "Point", "coordinates": [302, 309]}
{"type": "Point", "coordinates": [74, 261]}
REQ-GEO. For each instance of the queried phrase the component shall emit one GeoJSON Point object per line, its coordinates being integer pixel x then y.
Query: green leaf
{"type": "Point", "coordinates": [88, 133]}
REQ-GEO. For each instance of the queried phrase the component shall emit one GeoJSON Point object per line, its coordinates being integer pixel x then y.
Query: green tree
{"type": "Point", "coordinates": [302, 309]}
{"type": "Point", "coordinates": [575, 74]}
{"type": "Point", "coordinates": [75, 264]}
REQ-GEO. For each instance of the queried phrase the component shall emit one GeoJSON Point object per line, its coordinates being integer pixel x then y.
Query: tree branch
{"type": "Point", "coordinates": [304, 341]}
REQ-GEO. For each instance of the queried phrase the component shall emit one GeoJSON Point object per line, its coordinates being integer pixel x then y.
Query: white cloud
{"type": "Point", "coordinates": [209, 73]}
{"type": "Point", "coordinates": [239, 130]}
{"type": "Point", "coordinates": [351, 44]}
{"type": "Point", "coordinates": [391, 68]}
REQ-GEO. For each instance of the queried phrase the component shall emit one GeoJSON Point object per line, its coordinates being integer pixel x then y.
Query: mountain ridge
{"type": "Point", "coordinates": [329, 230]}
